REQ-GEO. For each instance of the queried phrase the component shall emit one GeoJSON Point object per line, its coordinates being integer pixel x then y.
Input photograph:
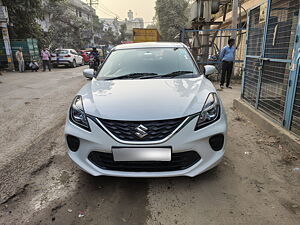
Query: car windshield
{"type": "Point", "coordinates": [148, 63]}
{"type": "Point", "coordinates": [61, 51]}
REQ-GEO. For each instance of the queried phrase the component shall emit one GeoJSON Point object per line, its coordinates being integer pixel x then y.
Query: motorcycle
{"type": "Point", "coordinates": [94, 63]}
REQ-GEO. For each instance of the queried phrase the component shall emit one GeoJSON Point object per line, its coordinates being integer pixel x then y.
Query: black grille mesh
{"type": "Point", "coordinates": [179, 161]}
{"type": "Point", "coordinates": [157, 130]}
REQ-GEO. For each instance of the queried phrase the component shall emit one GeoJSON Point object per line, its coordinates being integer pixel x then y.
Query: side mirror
{"type": "Point", "coordinates": [209, 69]}
{"type": "Point", "coordinates": [88, 73]}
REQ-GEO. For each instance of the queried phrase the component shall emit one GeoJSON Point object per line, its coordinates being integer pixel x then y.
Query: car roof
{"type": "Point", "coordinates": [150, 45]}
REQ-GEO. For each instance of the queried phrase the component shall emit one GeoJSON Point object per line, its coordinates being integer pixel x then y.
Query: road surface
{"type": "Point", "coordinates": [256, 183]}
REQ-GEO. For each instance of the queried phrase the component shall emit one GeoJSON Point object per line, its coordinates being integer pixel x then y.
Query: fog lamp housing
{"type": "Point", "coordinates": [217, 142]}
{"type": "Point", "coordinates": [73, 143]}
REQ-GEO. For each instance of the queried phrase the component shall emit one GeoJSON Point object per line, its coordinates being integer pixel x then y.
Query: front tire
{"type": "Point", "coordinates": [74, 64]}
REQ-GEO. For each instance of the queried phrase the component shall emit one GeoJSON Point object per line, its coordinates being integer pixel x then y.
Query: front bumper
{"type": "Point", "coordinates": [61, 62]}
{"type": "Point", "coordinates": [183, 141]}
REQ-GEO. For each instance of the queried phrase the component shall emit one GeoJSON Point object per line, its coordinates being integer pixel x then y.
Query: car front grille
{"type": "Point", "coordinates": [156, 130]}
{"type": "Point", "coordinates": [179, 161]}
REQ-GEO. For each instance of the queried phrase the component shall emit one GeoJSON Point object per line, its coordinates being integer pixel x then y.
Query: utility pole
{"type": "Point", "coordinates": [91, 4]}
{"type": "Point", "coordinates": [207, 5]}
{"type": "Point", "coordinates": [4, 20]}
{"type": "Point", "coordinates": [235, 4]}
{"type": "Point", "coordinates": [204, 8]}
{"type": "Point", "coordinates": [201, 12]}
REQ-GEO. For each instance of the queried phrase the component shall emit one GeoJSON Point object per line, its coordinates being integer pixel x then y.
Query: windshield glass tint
{"type": "Point", "coordinates": [159, 61]}
{"type": "Point", "coordinates": [61, 52]}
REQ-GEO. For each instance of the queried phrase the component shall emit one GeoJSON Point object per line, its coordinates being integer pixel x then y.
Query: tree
{"type": "Point", "coordinates": [67, 30]}
{"type": "Point", "coordinates": [123, 35]}
{"type": "Point", "coordinates": [108, 36]}
{"type": "Point", "coordinates": [23, 15]}
{"type": "Point", "coordinates": [171, 16]}
{"type": "Point", "coordinates": [97, 25]}
{"type": "Point", "coordinates": [151, 26]}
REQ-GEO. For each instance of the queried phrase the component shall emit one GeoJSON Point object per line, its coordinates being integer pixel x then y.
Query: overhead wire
{"type": "Point", "coordinates": [102, 9]}
{"type": "Point", "coordinates": [105, 8]}
{"type": "Point", "coordinates": [106, 13]}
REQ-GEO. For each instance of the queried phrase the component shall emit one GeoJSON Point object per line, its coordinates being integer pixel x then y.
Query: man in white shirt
{"type": "Point", "coordinates": [20, 59]}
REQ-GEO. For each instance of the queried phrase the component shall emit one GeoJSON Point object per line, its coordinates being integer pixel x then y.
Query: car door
{"type": "Point", "coordinates": [78, 57]}
{"type": "Point", "coordinates": [72, 53]}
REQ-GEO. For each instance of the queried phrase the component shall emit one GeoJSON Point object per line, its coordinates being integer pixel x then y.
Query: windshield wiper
{"type": "Point", "coordinates": [131, 76]}
{"type": "Point", "coordinates": [173, 74]}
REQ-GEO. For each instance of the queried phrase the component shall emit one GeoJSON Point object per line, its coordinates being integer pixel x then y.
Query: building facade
{"type": "Point", "coordinates": [112, 23]}
{"type": "Point", "coordinates": [75, 7]}
{"type": "Point", "coordinates": [82, 10]}
{"type": "Point", "coordinates": [132, 22]}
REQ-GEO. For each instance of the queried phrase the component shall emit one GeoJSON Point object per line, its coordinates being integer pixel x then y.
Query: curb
{"type": "Point", "coordinates": [290, 140]}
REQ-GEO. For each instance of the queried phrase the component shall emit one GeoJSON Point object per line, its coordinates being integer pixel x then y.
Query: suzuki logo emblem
{"type": "Point", "coordinates": [141, 131]}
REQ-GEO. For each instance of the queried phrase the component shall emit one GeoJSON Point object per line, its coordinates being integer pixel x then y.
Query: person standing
{"type": "Point", "coordinates": [20, 59]}
{"type": "Point", "coordinates": [46, 59]}
{"type": "Point", "coordinates": [227, 58]}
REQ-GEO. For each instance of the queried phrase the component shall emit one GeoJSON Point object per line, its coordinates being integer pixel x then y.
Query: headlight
{"type": "Point", "coordinates": [77, 114]}
{"type": "Point", "coordinates": [210, 112]}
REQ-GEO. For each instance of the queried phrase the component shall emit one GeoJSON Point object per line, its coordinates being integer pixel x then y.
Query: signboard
{"type": "Point", "coordinates": [145, 35]}
{"type": "Point", "coordinates": [3, 14]}
{"type": "Point", "coordinates": [263, 12]}
{"type": "Point", "coordinates": [7, 46]}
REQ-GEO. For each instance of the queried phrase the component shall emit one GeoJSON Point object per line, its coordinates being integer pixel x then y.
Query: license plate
{"type": "Point", "coordinates": [142, 154]}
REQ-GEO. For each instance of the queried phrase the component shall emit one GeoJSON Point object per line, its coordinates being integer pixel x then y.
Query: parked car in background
{"type": "Point", "coordinates": [85, 56]}
{"type": "Point", "coordinates": [149, 111]}
{"type": "Point", "coordinates": [67, 57]}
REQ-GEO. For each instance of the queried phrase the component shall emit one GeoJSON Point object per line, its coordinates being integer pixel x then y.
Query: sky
{"type": "Point", "coordinates": [140, 8]}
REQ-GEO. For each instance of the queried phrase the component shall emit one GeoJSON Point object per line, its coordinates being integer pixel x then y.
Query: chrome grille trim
{"type": "Point", "coordinates": [183, 124]}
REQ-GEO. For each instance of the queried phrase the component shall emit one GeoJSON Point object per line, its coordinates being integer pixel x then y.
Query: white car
{"type": "Point", "coordinates": [148, 112]}
{"type": "Point", "coordinates": [67, 57]}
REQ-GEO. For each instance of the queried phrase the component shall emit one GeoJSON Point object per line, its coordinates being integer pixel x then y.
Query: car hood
{"type": "Point", "coordinates": [142, 100]}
